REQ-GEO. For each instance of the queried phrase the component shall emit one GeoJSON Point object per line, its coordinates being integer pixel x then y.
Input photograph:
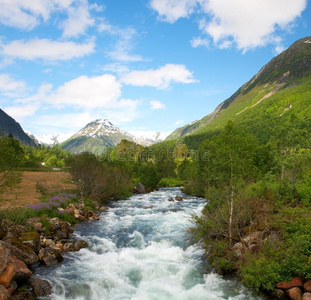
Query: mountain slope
{"type": "Point", "coordinates": [96, 137]}
{"type": "Point", "coordinates": [280, 88]}
{"type": "Point", "coordinates": [9, 126]}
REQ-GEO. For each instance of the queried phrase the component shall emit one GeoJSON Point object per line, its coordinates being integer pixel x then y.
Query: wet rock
{"type": "Point", "coordinates": [294, 293]}
{"type": "Point", "coordinates": [7, 275]}
{"type": "Point", "coordinates": [295, 282]}
{"type": "Point", "coordinates": [178, 198]}
{"type": "Point", "coordinates": [306, 296]}
{"type": "Point", "coordinates": [4, 259]}
{"type": "Point", "coordinates": [4, 293]}
{"type": "Point", "coordinates": [140, 189]}
{"type": "Point", "coordinates": [75, 245]}
{"type": "Point", "coordinates": [103, 208]}
{"type": "Point", "coordinates": [47, 242]}
{"type": "Point", "coordinates": [279, 294]}
{"type": "Point", "coordinates": [23, 294]}
{"type": "Point", "coordinates": [31, 239]}
{"type": "Point", "coordinates": [149, 207]}
{"type": "Point", "coordinates": [42, 288]}
{"type": "Point", "coordinates": [21, 270]}
{"type": "Point", "coordinates": [12, 287]}
{"type": "Point", "coordinates": [50, 256]}
{"type": "Point", "coordinates": [307, 286]}
{"type": "Point", "coordinates": [170, 199]}
{"type": "Point", "coordinates": [26, 254]}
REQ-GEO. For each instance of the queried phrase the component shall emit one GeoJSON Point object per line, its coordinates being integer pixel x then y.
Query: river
{"type": "Point", "coordinates": [140, 250]}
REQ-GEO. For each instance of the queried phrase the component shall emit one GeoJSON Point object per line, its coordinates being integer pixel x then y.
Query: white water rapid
{"type": "Point", "coordinates": [140, 250]}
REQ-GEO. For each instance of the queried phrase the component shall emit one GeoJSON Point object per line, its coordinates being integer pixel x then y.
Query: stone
{"type": "Point", "coordinates": [22, 252]}
{"type": "Point", "coordinates": [238, 249]}
{"type": "Point", "coordinates": [307, 286]}
{"type": "Point", "coordinates": [31, 239]}
{"type": "Point", "coordinates": [294, 293]}
{"type": "Point", "coordinates": [81, 244]}
{"type": "Point", "coordinates": [42, 288]}
{"type": "Point", "coordinates": [140, 189]}
{"type": "Point", "coordinates": [21, 270]}
{"type": "Point", "coordinates": [7, 275]}
{"type": "Point", "coordinates": [4, 293]}
{"type": "Point", "coordinates": [48, 243]}
{"type": "Point", "coordinates": [178, 198]}
{"type": "Point", "coordinates": [103, 208]}
{"type": "Point", "coordinates": [279, 294]}
{"type": "Point", "coordinates": [4, 259]}
{"type": "Point", "coordinates": [55, 224]}
{"type": "Point", "coordinates": [306, 296]}
{"type": "Point", "coordinates": [50, 256]}
{"type": "Point", "coordinates": [170, 199]}
{"type": "Point", "coordinates": [75, 245]}
{"type": "Point", "coordinates": [38, 227]}
{"type": "Point", "coordinates": [253, 238]}
{"type": "Point", "coordinates": [12, 287]}
{"type": "Point", "coordinates": [22, 294]}
{"type": "Point", "coordinates": [295, 282]}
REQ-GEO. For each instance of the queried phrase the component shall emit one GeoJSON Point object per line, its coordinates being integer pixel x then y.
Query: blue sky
{"type": "Point", "coordinates": [146, 65]}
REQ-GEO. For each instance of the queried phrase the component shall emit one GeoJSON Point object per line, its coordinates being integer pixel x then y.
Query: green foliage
{"type": "Point", "coordinates": [171, 182]}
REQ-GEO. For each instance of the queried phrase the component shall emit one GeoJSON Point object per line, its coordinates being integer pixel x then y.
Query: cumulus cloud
{"type": "Point", "coordinates": [19, 112]}
{"type": "Point", "coordinates": [171, 10]}
{"type": "Point", "coordinates": [10, 87]}
{"type": "Point", "coordinates": [88, 92]}
{"type": "Point", "coordinates": [79, 19]}
{"type": "Point", "coordinates": [46, 49]}
{"type": "Point", "coordinates": [161, 78]}
{"type": "Point", "coordinates": [249, 23]}
{"type": "Point", "coordinates": [28, 14]}
{"type": "Point", "coordinates": [245, 24]}
{"type": "Point", "coordinates": [155, 105]}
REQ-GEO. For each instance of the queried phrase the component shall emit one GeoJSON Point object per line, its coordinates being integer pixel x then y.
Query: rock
{"type": "Point", "coordinates": [21, 271]}
{"type": "Point", "coordinates": [170, 199]}
{"type": "Point", "coordinates": [61, 234]}
{"type": "Point", "coordinates": [50, 256]}
{"type": "Point", "coordinates": [295, 282]}
{"type": "Point", "coordinates": [253, 238]}
{"type": "Point", "coordinates": [23, 252]}
{"type": "Point", "coordinates": [12, 287]}
{"type": "Point", "coordinates": [55, 224]}
{"type": "Point", "coordinates": [279, 294]}
{"type": "Point", "coordinates": [42, 288]}
{"type": "Point", "coordinates": [38, 227]}
{"type": "Point", "coordinates": [103, 208]}
{"type": "Point", "coordinates": [307, 286]}
{"type": "Point", "coordinates": [294, 293]}
{"type": "Point", "coordinates": [238, 249]}
{"type": "Point", "coordinates": [71, 246]}
{"type": "Point", "coordinates": [178, 198]}
{"type": "Point", "coordinates": [4, 259]}
{"type": "Point", "coordinates": [140, 189]}
{"type": "Point", "coordinates": [306, 296]}
{"type": "Point", "coordinates": [31, 239]}
{"type": "Point", "coordinates": [23, 294]}
{"type": "Point", "coordinates": [4, 293]}
{"type": "Point", "coordinates": [149, 207]}
{"type": "Point", "coordinates": [48, 242]}
{"type": "Point", "coordinates": [7, 275]}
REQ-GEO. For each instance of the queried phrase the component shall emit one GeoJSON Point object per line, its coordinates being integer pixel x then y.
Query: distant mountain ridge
{"type": "Point", "coordinates": [99, 135]}
{"type": "Point", "coordinates": [9, 126]}
{"type": "Point", "coordinates": [286, 71]}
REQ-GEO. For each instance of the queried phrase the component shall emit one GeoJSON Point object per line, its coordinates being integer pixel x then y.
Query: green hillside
{"type": "Point", "coordinates": [279, 90]}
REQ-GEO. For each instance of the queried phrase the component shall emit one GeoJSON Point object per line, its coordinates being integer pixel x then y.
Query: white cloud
{"type": "Point", "coordinates": [249, 23]}
{"type": "Point", "coordinates": [46, 49]}
{"type": "Point", "coordinates": [27, 14]}
{"type": "Point", "coordinates": [10, 87]}
{"type": "Point", "coordinates": [171, 10]}
{"type": "Point", "coordinates": [79, 19]}
{"type": "Point", "coordinates": [246, 24]}
{"type": "Point", "coordinates": [197, 42]}
{"type": "Point", "coordinates": [88, 92]}
{"type": "Point", "coordinates": [20, 112]}
{"type": "Point", "coordinates": [161, 78]}
{"type": "Point", "coordinates": [155, 105]}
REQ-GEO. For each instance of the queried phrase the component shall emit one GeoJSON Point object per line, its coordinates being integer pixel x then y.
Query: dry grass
{"type": "Point", "coordinates": [33, 186]}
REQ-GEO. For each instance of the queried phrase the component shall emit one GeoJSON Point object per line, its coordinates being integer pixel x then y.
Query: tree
{"type": "Point", "coordinates": [12, 156]}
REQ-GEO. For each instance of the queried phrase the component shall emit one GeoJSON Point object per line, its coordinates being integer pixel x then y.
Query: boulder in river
{"type": "Point", "coordinates": [50, 256]}
{"type": "Point", "coordinates": [42, 288]}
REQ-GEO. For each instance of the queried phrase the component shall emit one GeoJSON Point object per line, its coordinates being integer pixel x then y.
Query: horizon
{"type": "Point", "coordinates": [149, 66]}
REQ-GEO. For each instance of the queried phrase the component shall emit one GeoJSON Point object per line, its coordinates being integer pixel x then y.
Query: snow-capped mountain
{"type": "Point", "coordinates": [100, 134]}
{"type": "Point", "coordinates": [53, 139]}
{"type": "Point", "coordinates": [148, 138]}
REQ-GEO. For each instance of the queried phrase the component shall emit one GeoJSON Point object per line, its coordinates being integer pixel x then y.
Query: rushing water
{"type": "Point", "coordinates": [140, 250]}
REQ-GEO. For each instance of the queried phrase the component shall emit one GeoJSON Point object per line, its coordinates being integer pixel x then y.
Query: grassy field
{"type": "Point", "coordinates": [34, 186]}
